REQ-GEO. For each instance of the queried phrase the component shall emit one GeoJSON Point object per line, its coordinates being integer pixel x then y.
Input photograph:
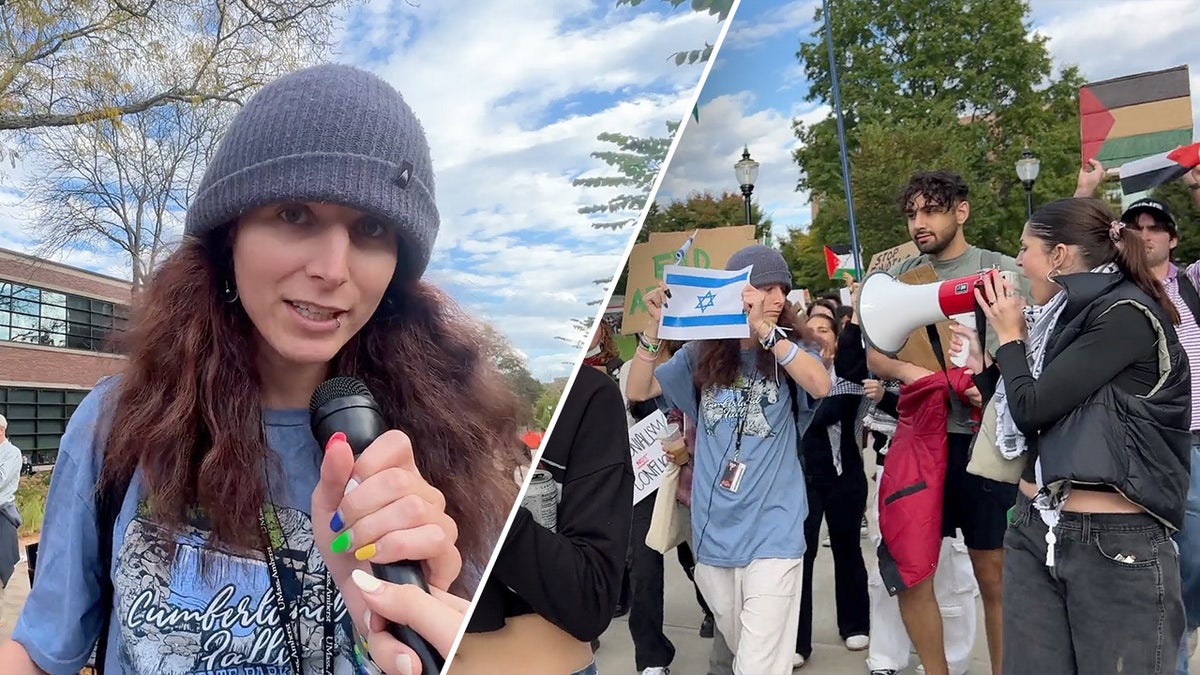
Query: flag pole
{"type": "Point", "coordinates": [841, 129]}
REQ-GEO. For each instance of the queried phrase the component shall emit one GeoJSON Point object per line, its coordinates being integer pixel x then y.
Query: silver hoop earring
{"type": "Point", "coordinates": [1051, 274]}
{"type": "Point", "coordinates": [229, 292]}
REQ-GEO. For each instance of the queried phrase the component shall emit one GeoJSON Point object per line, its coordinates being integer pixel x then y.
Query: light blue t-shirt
{"type": "Point", "coordinates": [765, 518]}
{"type": "Point", "coordinates": [168, 618]}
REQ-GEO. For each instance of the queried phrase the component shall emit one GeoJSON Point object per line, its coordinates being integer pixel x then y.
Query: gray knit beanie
{"type": "Point", "coordinates": [769, 266]}
{"type": "Point", "coordinates": [330, 133]}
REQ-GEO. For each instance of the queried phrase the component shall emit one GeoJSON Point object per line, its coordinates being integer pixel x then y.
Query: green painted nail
{"type": "Point", "coordinates": [342, 543]}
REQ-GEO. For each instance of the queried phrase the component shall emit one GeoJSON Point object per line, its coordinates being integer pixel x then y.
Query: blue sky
{"type": "Point", "coordinates": [756, 87]}
{"type": "Point", "coordinates": [512, 95]}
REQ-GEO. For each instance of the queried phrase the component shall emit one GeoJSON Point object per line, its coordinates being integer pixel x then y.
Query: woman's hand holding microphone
{"type": "Point", "coordinates": [379, 509]}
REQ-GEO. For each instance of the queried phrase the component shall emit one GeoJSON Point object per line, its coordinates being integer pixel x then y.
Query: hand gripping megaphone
{"type": "Point", "coordinates": [890, 310]}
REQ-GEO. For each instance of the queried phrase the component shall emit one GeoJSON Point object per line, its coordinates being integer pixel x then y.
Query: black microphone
{"type": "Point", "coordinates": [345, 404]}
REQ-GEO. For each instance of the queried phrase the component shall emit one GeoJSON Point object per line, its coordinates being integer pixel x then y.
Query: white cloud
{"type": "Point", "coordinates": [706, 154]}
{"type": "Point", "coordinates": [790, 17]}
{"type": "Point", "coordinates": [1097, 37]}
{"type": "Point", "coordinates": [512, 95]}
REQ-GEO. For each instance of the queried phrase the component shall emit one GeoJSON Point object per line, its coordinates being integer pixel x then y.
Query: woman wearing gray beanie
{"type": "Point", "coordinates": [752, 400]}
{"type": "Point", "coordinates": [193, 524]}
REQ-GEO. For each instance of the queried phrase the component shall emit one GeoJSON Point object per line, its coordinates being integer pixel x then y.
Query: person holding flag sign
{"type": "Point", "coordinates": [748, 498]}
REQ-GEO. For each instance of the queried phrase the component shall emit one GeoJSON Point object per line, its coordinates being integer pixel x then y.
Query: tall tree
{"type": "Point", "coordinates": [932, 84]}
{"type": "Point", "coordinates": [56, 55]}
{"type": "Point", "coordinates": [637, 162]}
{"type": "Point", "coordinates": [511, 363]}
{"type": "Point", "coordinates": [123, 184]}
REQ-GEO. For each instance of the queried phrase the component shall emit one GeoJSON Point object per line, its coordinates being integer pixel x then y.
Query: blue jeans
{"type": "Point", "coordinates": [1188, 540]}
{"type": "Point", "coordinates": [590, 670]}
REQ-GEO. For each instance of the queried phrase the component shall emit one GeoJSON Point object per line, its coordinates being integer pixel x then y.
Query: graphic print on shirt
{"type": "Point", "coordinates": [209, 612]}
{"type": "Point", "coordinates": [727, 404]}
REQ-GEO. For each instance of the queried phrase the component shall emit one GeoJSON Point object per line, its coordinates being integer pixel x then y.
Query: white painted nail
{"type": "Point", "coordinates": [403, 664]}
{"type": "Point", "coordinates": [367, 620]}
{"type": "Point", "coordinates": [350, 486]}
{"type": "Point", "coordinates": [366, 582]}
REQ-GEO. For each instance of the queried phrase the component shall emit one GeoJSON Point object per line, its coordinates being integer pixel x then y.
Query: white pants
{"type": "Point", "coordinates": [954, 586]}
{"type": "Point", "coordinates": [757, 610]}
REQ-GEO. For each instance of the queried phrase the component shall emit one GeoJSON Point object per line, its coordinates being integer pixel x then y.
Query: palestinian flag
{"type": "Point", "coordinates": [1136, 116]}
{"type": "Point", "coordinates": [839, 260]}
{"type": "Point", "coordinates": [1144, 174]}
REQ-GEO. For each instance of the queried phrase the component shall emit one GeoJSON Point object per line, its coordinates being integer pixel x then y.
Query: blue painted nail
{"type": "Point", "coordinates": [336, 523]}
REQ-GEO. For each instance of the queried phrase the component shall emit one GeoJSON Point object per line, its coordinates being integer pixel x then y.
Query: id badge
{"type": "Point", "coordinates": [732, 478]}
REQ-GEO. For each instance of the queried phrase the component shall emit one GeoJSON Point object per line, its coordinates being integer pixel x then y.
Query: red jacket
{"type": "Point", "coordinates": [911, 490]}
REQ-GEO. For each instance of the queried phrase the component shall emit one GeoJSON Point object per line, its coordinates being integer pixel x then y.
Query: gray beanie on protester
{"type": "Point", "coordinates": [769, 266]}
{"type": "Point", "coordinates": [329, 133]}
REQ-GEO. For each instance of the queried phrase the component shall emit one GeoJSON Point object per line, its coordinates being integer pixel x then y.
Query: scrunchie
{"type": "Point", "coordinates": [1114, 230]}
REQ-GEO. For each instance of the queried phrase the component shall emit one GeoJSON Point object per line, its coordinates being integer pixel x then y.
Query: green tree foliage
{"type": "Point", "coordinates": [637, 162]}
{"type": "Point", "coordinates": [547, 402]}
{"type": "Point", "coordinates": [512, 365]}
{"type": "Point", "coordinates": [962, 85]}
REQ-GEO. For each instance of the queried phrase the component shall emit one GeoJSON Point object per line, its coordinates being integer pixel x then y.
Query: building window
{"type": "Point", "coordinates": [52, 319]}
{"type": "Point", "coordinates": [37, 419]}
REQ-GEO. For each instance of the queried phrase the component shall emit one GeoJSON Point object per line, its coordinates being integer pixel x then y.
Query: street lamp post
{"type": "Point", "coordinates": [746, 171]}
{"type": "Point", "coordinates": [1027, 172]}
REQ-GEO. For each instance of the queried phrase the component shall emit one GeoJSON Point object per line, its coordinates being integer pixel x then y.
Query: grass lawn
{"type": "Point", "coordinates": [626, 346]}
{"type": "Point", "coordinates": [31, 502]}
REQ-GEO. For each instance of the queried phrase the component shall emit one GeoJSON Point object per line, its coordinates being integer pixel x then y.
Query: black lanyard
{"type": "Point", "coordinates": [290, 625]}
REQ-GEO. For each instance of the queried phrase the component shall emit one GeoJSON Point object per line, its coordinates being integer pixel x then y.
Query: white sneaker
{"type": "Point", "coordinates": [797, 661]}
{"type": "Point", "coordinates": [657, 670]}
{"type": "Point", "coordinates": [857, 643]}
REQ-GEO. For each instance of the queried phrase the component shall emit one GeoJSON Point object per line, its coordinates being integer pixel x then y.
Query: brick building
{"type": "Point", "coordinates": [55, 321]}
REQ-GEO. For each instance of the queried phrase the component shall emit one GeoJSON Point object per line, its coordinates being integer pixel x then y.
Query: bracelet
{"type": "Point", "coordinates": [771, 340]}
{"type": "Point", "coordinates": [645, 355]}
{"type": "Point", "coordinates": [651, 347]}
{"type": "Point", "coordinates": [791, 355]}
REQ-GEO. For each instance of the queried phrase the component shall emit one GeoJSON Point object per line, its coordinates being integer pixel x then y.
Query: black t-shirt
{"type": "Point", "coordinates": [571, 577]}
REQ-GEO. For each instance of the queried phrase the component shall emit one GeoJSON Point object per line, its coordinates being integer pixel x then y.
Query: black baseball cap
{"type": "Point", "coordinates": [1160, 211]}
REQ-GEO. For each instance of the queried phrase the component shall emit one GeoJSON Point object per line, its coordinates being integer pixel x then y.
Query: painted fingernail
{"type": "Point", "coordinates": [367, 620]}
{"type": "Point", "coordinates": [341, 544]}
{"type": "Point", "coordinates": [365, 553]}
{"type": "Point", "coordinates": [350, 486]}
{"type": "Point", "coordinates": [403, 664]}
{"type": "Point", "coordinates": [337, 437]}
{"type": "Point", "coordinates": [336, 524]}
{"type": "Point", "coordinates": [365, 582]}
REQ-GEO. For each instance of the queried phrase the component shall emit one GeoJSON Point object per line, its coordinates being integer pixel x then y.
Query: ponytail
{"type": "Point", "coordinates": [1131, 259]}
{"type": "Point", "coordinates": [1088, 224]}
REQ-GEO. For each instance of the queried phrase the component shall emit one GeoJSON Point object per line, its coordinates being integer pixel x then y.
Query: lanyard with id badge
{"type": "Point", "coordinates": [735, 469]}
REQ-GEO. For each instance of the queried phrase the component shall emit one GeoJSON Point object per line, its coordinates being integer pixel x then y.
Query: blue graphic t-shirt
{"type": "Point", "coordinates": [765, 517]}
{"type": "Point", "coordinates": [198, 611]}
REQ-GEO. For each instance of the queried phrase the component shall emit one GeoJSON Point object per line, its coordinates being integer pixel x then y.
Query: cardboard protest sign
{"type": "Point", "coordinates": [646, 453]}
{"type": "Point", "coordinates": [711, 249]}
{"type": "Point", "coordinates": [885, 259]}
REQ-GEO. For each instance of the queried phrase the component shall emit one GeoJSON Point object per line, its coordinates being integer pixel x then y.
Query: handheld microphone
{"type": "Point", "coordinates": [345, 404]}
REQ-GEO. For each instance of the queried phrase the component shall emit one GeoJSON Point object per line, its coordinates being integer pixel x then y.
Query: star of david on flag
{"type": "Point", "coordinates": [704, 304]}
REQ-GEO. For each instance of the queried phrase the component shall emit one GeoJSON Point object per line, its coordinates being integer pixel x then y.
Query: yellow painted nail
{"type": "Point", "coordinates": [365, 553]}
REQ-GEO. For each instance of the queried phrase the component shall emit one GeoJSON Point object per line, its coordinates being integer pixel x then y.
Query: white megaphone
{"type": "Point", "coordinates": [890, 310]}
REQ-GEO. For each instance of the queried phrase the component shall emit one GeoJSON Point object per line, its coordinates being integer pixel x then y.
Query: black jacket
{"type": "Point", "coordinates": [571, 577]}
{"type": "Point", "coordinates": [1141, 445]}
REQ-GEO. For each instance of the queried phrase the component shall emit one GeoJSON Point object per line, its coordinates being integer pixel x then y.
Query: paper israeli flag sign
{"type": "Point", "coordinates": [704, 304]}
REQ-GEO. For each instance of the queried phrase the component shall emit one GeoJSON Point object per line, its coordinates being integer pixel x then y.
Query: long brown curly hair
{"type": "Point", "coordinates": [720, 361]}
{"type": "Point", "coordinates": [189, 402]}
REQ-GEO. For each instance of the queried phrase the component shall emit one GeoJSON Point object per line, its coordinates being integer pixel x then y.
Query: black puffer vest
{"type": "Point", "coordinates": [1139, 444]}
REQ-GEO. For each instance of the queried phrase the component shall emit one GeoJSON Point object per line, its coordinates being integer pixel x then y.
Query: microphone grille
{"type": "Point", "coordinates": [336, 387]}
